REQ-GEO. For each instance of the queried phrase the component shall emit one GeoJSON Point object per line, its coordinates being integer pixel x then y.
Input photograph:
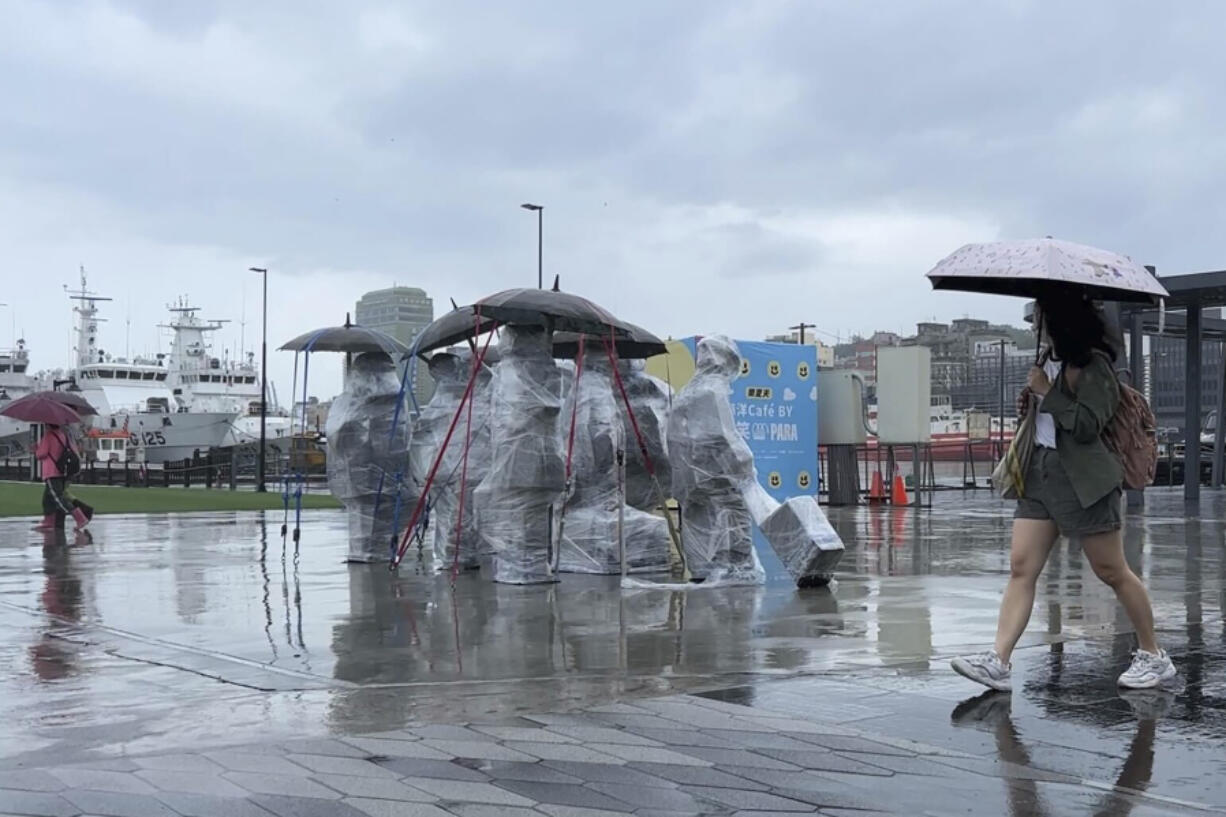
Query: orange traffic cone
{"type": "Point", "coordinates": [877, 492]}
{"type": "Point", "coordinates": [899, 495]}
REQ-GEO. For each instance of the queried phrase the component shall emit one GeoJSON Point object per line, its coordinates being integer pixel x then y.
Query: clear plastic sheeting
{"type": "Point", "coordinates": [515, 502]}
{"type": "Point", "coordinates": [590, 540]}
{"type": "Point", "coordinates": [649, 400]}
{"type": "Point", "coordinates": [451, 372]}
{"type": "Point", "coordinates": [368, 455]}
{"type": "Point", "coordinates": [804, 540]}
{"type": "Point", "coordinates": [713, 470]}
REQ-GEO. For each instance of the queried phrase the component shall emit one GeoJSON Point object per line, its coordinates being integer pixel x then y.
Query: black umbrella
{"type": "Point", "coordinates": [349, 338]}
{"type": "Point", "coordinates": [637, 344]}
{"type": "Point", "coordinates": [455, 327]}
{"type": "Point", "coordinates": [549, 308]}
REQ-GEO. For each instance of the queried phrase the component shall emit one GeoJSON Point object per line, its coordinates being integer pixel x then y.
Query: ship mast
{"type": "Point", "coordinates": [87, 321]}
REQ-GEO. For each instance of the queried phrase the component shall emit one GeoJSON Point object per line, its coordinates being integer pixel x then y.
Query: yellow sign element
{"type": "Point", "coordinates": [802, 370]}
{"type": "Point", "coordinates": [803, 479]}
{"type": "Point", "coordinates": [744, 367]}
{"type": "Point", "coordinates": [758, 393]}
{"type": "Point", "coordinates": [775, 480]}
{"type": "Point", "coordinates": [774, 368]}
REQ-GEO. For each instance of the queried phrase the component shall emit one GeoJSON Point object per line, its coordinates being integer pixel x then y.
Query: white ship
{"type": "Point", "coordinates": [136, 395]}
{"type": "Point", "coordinates": [15, 382]}
{"type": "Point", "coordinates": [205, 383]}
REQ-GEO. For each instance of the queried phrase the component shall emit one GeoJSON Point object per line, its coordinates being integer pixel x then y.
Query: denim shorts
{"type": "Point", "coordinates": [1049, 494]}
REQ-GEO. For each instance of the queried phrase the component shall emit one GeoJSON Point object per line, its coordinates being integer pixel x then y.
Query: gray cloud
{"type": "Point", "coordinates": [703, 164]}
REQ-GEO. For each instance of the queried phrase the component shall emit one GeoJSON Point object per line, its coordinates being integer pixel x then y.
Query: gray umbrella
{"type": "Point", "coordinates": [637, 344]}
{"type": "Point", "coordinates": [554, 310]}
{"type": "Point", "coordinates": [349, 338]}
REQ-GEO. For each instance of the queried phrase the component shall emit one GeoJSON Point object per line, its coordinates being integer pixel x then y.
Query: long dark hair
{"type": "Point", "coordinates": [1077, 328]}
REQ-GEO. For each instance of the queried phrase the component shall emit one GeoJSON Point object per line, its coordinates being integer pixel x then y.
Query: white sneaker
{"type": "Point", "coordinates": [985, 668]}
{"type": "Point", "coordinates": [1148, 670]}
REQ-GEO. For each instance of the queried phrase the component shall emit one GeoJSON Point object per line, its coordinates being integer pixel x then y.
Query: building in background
{"type": "Point", "coordinates": [825, 354]}
{"type": "Point", "coordinates": [1168, 357]}
{"type": "Point", "coordinates": [966, 361]}
{"type": "Point", "coordinates": [401, 312]}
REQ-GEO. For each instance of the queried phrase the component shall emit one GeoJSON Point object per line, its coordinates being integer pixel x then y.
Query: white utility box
{"type": "Point", "coordinates": [904, 394]}
{"type": "Point", "coordinates": [840, 408]}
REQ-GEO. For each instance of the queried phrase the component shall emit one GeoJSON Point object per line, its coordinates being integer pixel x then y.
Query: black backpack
{"type": "Point", "coordinates": [68, 463]}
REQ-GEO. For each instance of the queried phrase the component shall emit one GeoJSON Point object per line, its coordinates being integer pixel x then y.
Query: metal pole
{"type": "Point", "coordinates": [1002, 396]}
{"type": "Point", "coordinates": [1136, 362]}
{"type": "Point", "coordinates": [1219, 441]}
{"type": "Point", "coordinates": [540, 234]}
{"type": "Point", "coordinates": [261, 472]}
{"type": "Point", "coordinates": [1191, 409]}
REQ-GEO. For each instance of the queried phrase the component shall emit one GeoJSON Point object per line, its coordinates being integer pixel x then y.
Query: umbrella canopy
{"type": "Point", "coordinates": [40, 407]}
{"type": "Point", "coordinates": [71, 399]}
{"type": "Point", "coordinates": [348, 338]}
{"type": "Point", "coordinates": [554, 310]}
{"type": "Point", "coordinates": [455, 327]}
{"type": "Point", "coordinates": [1028, 268]}
{"type": "Point", "coordinates": [637, 344]}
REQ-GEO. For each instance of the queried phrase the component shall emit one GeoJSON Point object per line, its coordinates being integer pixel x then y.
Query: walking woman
{"type": "Point", "coordinates": [1072, 488]}
{"type": "Point", "coordinates": [51, 453]}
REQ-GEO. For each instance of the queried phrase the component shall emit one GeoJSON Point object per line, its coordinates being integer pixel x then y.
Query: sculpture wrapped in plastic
{"type": "Point", "coordinates": [649, 400]}
{"type": "Point", "coordinates": [368, 455]}
{"type": "Point", "coordinates": [712, 470]}
{"type": "Point", "coordinates": [516, 502]}
{"type": "Point", "coordinates": [590, 541]}
{"type": "Point", "coordinates": [804, 540]}
{"type": "Point", "coordinates": [451, 373]}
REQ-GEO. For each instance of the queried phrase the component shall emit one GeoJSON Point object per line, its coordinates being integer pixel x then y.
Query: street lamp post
{"type": "Point", "coordinates": [540, 210]}
{"type": "Point", "coordinates": [261, 472]}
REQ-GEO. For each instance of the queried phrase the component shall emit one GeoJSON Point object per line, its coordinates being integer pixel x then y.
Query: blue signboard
{"type": "Point", "coordinates": [774, 403]}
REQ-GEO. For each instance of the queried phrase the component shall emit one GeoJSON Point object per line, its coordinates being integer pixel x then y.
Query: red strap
{"type": "Point", "coordinates": [468, 440]}
{"type": "Point", "coordinates": [438, 459]}
{"type": "Point", "coordinates": [621, 387]}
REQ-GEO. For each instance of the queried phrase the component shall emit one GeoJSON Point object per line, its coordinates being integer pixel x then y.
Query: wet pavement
{"type": "Point", "coordinates": [168, 638]}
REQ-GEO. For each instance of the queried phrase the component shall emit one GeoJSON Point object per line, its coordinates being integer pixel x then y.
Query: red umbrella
{"type": "Point", "coordinates": [41, 408]}
{"type": "Point", "coordinates": [73, 400]}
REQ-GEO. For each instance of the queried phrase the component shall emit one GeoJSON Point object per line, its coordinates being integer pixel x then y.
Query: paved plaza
{"type": "Point", "coordinates": [197, 665]}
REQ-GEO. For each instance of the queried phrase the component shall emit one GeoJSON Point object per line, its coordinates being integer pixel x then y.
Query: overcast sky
{"type": "Point", "coordinates": [705, 166]}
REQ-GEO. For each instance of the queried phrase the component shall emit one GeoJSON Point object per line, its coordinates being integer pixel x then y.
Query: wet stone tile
{"type": "Point", "coordinates": [95, 780]}
{"type": "Point", "coordinates": [391, 808]}
{"type": "Point", "coordinates": [192, 782]}
{"type": "Point", "coordinates": [288, 806]}
{"type": "Point", "coordinates": [204, 805]}
{"type": "Point", "coordinates": [464, 791]}
{"type": "Point", "coordinates": [327, 764]}
{"type": "Point", "coordinates": [437, 769]}
{"type": "Point", "coordinates": [40, 804]}
{"type": "Point", "coordinates": [298, 787]}
{"type": "Point", "coordinates": [30, 780]}
{"type": "Point", "coordinates": [563, 795]}
{"type": "Point", "coordinates": [737, 799]}
{"type": "Point", "coordinates": [642, 797]}
{"type": "Point", "coordinates": [534, 772]}
{"type": "Point", "coordinates": [603, 773]}
{"type": "Point", "coordinates": [119, 804]}
{"type": "Point", "coordinates": [385, 788]}
{"type": "Point", "coordinates": [698, 776]}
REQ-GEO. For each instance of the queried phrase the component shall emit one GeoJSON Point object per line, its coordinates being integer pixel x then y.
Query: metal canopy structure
{"type": "Point", "coordinates": [1193, 293]}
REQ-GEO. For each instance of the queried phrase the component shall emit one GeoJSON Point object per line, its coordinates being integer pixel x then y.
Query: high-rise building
{"type": "Point", "coordinates": [401, 312]}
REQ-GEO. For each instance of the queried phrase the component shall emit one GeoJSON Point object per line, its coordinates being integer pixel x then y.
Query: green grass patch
{"type": "Point", "coordinates": [25, 499]}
